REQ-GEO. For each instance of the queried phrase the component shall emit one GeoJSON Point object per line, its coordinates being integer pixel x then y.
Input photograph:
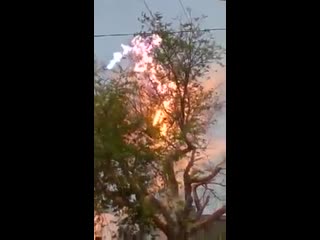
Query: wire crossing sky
{"type": "Point", "coordinates": [119, 18]}
{"type": "Point", "coordinates": [132, 34]}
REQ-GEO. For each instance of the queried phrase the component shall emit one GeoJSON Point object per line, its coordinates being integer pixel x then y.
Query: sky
{"type": "Point", "coordinates": [120, 16]}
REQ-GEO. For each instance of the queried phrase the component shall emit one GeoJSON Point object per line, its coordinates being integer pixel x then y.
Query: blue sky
{"type": "Point", "coordinates": [120, 16]}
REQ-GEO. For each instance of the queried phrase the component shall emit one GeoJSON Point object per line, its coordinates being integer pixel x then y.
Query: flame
{"type": "Point", "coordinates": [157, 117]}
{"type": "Point", "coordinates": [141, 49]}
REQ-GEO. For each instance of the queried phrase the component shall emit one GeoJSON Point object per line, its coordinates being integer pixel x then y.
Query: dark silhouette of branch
{"type": "Point", "coordinates": [219, 184]}
{"type": "Point", "coordinates": [200, 207]}
{"type": "Point", "coordinates": [200, 211]}
{"type": "Point", "coordinates": [214, 193]}
{"type": "Point", "coordinates": [187, 183]}
{"type": "Point", "coordinates": [207, 178]}
{"type": "Point", "coordinates": [190, 164]}
{"type": "Point", "coordinates": [213, 217]}
{"type": "Point", "coordinates": [196, 197]}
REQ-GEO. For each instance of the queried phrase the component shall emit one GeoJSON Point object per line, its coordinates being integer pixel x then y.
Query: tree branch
{"type": "Point", "coordinates": [169, 168]}
{"type": "Point", "coordinates": [213, 217]}
{"type": "Point", "coordinates": [161, 209]}
{"type": "Point", "coordinates": [215, 195]}
{"type": "Point", "coordinates": [207, 178]}
{"type": "Point", "coordinates": [196, 197]}
{"type": "Point", "coordinates": [200, 207]}
{"type": "Point", "coordinates": [171, 177]}
{"type": "Point", "coordinates": [187, 183]}
{"type": "Point", "coordinates": [190, 164]}
{"type": "Point", "coordinates": [200, 211]}
{"type": "Point", "coordinates": [219, 184]}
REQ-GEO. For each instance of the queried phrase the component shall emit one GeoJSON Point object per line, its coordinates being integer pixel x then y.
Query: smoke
{"type": "Point", "coordinates": [216, 150]}
{"type": "Point", "coordinates": [216, 135]}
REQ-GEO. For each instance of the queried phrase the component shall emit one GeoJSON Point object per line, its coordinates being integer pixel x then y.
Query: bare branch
{"type": "Point", "coordinates": [207, 178]}
{"type": "Point", "coordinates": [187, 183]}
{"type": "Point", "coordinates": [214, 193]}
{"type": "Point", "coordinates": [204, 192]}
{"type": "Point", "coordinates": [213, 217]}
{"type": "Point", "coordinates": [219, 184]}
{"type": "Point", "coordinates": [190, 164]}
{"type": "Point", "coordinates": [171, 177]}
{"type": "Point", "coordinates": [196, 197]}
{"type": "Point", "coordinates": [200, 211]}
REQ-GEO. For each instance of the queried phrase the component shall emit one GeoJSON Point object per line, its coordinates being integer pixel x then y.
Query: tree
{"type": "Point", "coordinates": [152, 117]}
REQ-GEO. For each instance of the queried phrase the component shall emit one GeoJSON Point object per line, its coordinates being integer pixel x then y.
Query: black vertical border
{"type": "Point", "coordinates": [252, 212]}
{"type": "Point", "coordinates": [50, 128]}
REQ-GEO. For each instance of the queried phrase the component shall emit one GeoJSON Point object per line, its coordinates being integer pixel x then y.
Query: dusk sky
{"type": "Point", "coordinates": [120, 16]}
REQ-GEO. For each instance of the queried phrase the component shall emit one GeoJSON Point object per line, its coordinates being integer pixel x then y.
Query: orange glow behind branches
{"type": "Point", "coordinates": [141, 49]}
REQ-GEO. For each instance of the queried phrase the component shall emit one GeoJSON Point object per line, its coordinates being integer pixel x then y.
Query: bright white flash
{"type": "Point", "coordinates": [126, 49]}
{"type": "Point", "coordinates": [117, 56]}
{"type": "Point", "coordinates": [140, 47]}
{"type": "Point", "coordinates": [141, 50]}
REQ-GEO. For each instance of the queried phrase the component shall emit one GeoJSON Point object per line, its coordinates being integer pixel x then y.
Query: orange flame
{"type": "Point", "coordinates": [141, 48]}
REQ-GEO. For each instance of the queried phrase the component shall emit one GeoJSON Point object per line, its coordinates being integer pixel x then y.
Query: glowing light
{"type": "Point", "coordinates": [157, 117]}
{"type": "Point", "coordinates": [117, 56]}
{"type": "Point", "coordinates": [141, 49]}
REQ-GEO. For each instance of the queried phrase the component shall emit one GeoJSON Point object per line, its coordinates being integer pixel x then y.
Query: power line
{"type": "Point", "coordinates": [133, 34]}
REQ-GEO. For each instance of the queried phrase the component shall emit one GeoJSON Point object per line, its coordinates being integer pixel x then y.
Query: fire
{"type": "Point", "coordinates": [141, 49]}
{"type": "Point", "coordinates": [157, 117]}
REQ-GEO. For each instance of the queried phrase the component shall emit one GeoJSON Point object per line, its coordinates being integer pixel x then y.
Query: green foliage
{"type": "Point", "coordinates": [121, 157]}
